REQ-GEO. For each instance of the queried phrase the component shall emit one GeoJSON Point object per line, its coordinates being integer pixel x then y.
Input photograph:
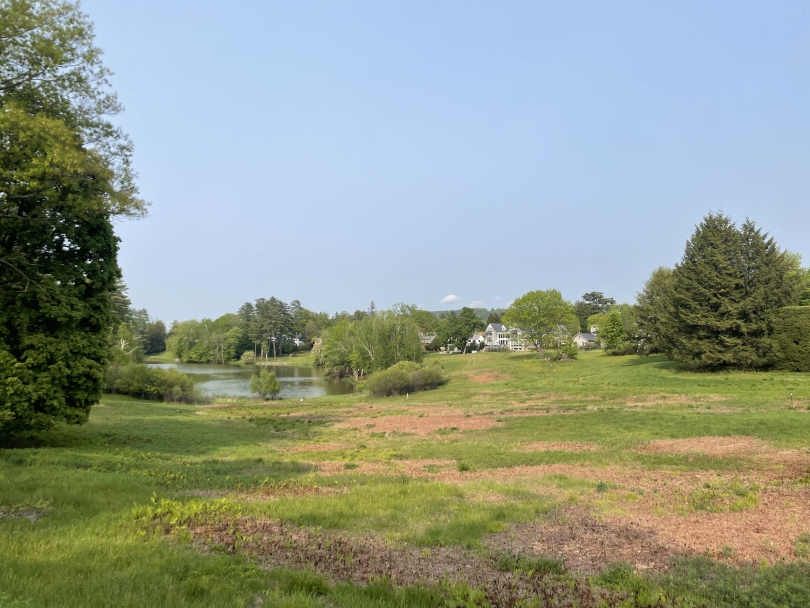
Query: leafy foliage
{"type": "Point", "coordinates": [405, 377]}
{"type": "Point", "coordinates": [147, 382]}
{"type": "Point", "coordinates": [374, 343]}
{"type": "Point", "coordinates": [544, 317]}
{"type": "Point", "coordinates": [265, 384]}
{"type": "Point", "coordinates": [64, 173]}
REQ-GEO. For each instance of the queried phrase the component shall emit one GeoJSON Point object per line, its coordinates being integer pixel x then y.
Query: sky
{"type": "Point", "coordinates": [447, 153]}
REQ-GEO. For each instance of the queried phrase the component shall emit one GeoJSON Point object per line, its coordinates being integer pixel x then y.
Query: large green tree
{"type": "Point", "coordinates": [591, 303]}
{"type": "Point", "coordinates": [721, 296]}
{"type": "Point", "coordinates": [65, 172]}
{"type": "Point", "coordinates": [543, 317]}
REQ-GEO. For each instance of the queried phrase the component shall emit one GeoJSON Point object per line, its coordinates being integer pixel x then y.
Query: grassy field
{"type": "Point", "coordinates": [601, 482]}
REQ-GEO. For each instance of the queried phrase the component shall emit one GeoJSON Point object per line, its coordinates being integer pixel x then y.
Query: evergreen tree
{"type": "Point", "coordinates": [650, 307]}
{"type": "Point", "coordinates": [722, 292]}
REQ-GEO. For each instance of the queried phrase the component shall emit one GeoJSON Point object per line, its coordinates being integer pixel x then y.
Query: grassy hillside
{"type": "Point", "coordinates": [518, 478]}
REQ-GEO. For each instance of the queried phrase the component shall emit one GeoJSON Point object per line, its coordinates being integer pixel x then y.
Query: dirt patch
{"type": "Point", "coordinates": [30, 512]}
{"type": "Point", "coordinates": [489, 377]}
{"type": "Point", "coordinates": [737, 445]}
{"type": "Point", "coordinates": [558, 446]}
{"type": "Point", "coordinates": [420, 425]}
{"type": "Point", "coordinates": [410, 468]}
{"type": "Point", "coordinates": [366, 559]}
{"type": "Point", "coordinates": [765, 531]}
{"type": "Point", "coordinates": [666, 399]}
{"type": "Point", "coordinates": [319, 447]}
{"type": "Point", "coordinates": [586, 544]}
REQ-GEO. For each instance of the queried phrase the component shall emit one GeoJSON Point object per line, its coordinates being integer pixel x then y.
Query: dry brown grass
{"type": "Point", "coordinates": [419, 425]}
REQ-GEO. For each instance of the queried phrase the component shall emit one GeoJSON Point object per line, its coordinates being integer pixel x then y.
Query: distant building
{"type": "Point", "coordinates": [479, 338]}
{"type": "Point", "coordinates": [498, 335]}
{"type": "Point", "coordinates": [585, 340]}
{"type": "Point", "coordinates": [426, 339]}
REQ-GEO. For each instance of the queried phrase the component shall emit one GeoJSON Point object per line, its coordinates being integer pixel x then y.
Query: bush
{"type": "Point", "coordinates": [405, 377]}
{"type": "Point", "coordinates": [790, 328]}
{"type": "Point", "coordinates": [566, 352]}
{"type": "Point", "coordinates": [427, 378]}
{"type": "Point", "coordinates": [144, 382]}
{"type": "Point", "coordinates": [406, 366]}
{"type": "Point", "coordinates": [393, 381]}
{"type": "Point", "coordinates": [248, 358]}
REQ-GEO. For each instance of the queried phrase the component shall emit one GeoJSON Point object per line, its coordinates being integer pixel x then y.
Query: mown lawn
{"type": "Point", "coordinates": [70, 534]}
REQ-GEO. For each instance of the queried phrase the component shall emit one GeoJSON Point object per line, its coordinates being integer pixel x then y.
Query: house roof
{"type": "Point", "coordinates": [499, 327]}
{"type": "Point", "coordinates": [587, 335]}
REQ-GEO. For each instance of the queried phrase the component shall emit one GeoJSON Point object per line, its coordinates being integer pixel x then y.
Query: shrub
{"type": "Point", "coordinates": [790, 327]}
{"type": "Point", "coordinates": [144, 382]}
{"type": "Point", "coordinates": [427, 378]}
{"type": "Point", "coordinates": [248, 357]}
{"type": "Point", "coordinates": [406, 366]}
{"type": "Point", "coordinates": [405, 377]}
{"type": "Point", "coordinates": [566, 352]}
{"type": "Point", "coordinates": [393, 381]}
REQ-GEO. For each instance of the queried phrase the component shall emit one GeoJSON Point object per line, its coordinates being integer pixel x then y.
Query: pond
{"type": "Point", "coordinates": [234, 380]}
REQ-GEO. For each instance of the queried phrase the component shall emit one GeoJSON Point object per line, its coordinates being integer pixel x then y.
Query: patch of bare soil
{"type": "Point", "coordinates": [666, 399]}
{"type": "Point", "coordinates": [737, 445]}
{"type": "Point", "coordinates": [586, 544]}
{"type": "Point", "coordinates": [489, 377]}
{"type": "Point", "coordinates": [558, 446]}
{"type": "Point", "coordinates": [365, 559]}
{"type": "Point", "coordinates": [765, 531]}
{"type": "Point", "coordinates": [420, 425]}
{"type": "Point", "coordinates": [31, 513]}
{"type": "Point", "coordinates": [410, 468]}
{"type": "Point", "coordinates": [319, 447]}
{"type": "Point", "coordinates": [655, 504]}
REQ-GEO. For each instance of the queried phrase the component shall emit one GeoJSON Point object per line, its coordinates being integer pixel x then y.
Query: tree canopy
{"type": "Point", "coordinates": [65, 172]}
{"type": "Point", "coordinates": [543, 317]}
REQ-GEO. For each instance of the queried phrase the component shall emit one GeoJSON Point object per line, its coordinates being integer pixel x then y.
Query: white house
{"type": "Point", "coordinates": [498, 335]}
{"type": "Point", "coordinates": [478, 337]}
{"type": "Point", "coordinates": [585, 339]}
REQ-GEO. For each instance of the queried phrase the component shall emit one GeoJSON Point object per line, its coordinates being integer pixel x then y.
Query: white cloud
{"type": "Point", "coordinates": [509, 303]}
{"type": "Point", "coordinates": [451, 299]}
{"type": "Point", "coordinates": [477, 304]}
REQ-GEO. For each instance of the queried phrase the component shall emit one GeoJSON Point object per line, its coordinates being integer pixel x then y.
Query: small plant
{"type": "Point", "coordinates": [350, 465]}
{"type": "Point", "coordinates": [601, 486]}
{"type": "Point", "coordinates": [463, 467]}
{"type": "Point", "coordinates": [801, 546]}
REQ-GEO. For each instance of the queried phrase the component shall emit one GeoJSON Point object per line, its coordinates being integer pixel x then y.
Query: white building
{"type": "Point", "coordinates": [498, 335]}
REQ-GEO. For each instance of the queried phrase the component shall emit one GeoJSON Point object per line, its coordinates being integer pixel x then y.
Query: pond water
{"type": "Point", "coordinates": [234, 380]}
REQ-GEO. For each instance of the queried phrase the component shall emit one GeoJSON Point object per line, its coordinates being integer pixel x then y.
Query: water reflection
{"type": "Point", "coordinates": [234, 380]}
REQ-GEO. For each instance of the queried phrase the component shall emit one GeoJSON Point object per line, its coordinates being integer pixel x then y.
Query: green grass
{"type": "Point", "coordinates": [81, 485]}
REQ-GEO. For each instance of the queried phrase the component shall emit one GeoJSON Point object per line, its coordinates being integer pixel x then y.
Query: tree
{"type": "Point", "coordinates": [612, 333]}
{"type": "Point", "coordinates": [457, 329]}
{"type": "Point", "coordinates": [65, 172]}
{"type": "Point", "coordinates": [722, 294]}
{"type": "Point", "coordinates": [651, 310]}
{"type": "Point", "coordinates": [592, 303]}
{"type": "Point", "coordinates": [265, 384]}
{"type": "Point", "coordinates": [155, 337]}
{"type": "Point", "coordinates": [493, 317]}
{"type": "Point", "coordinates": [542, 317]}
{"type": "Point", "coordinates": [311, 330]}
{"type": "Point", "coordinates": [425, 321]}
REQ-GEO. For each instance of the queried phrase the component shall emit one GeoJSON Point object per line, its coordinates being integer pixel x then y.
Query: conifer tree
{"type": "Point", "coordinates": [726, 285]}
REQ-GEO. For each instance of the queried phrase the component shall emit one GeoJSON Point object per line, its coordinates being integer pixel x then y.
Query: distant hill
{"type": "Point", "coordinates": [480, 312]}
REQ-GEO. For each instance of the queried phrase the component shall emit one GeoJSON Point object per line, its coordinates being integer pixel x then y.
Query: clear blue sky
{"type": "Point", "coordinates": [343, 152]}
